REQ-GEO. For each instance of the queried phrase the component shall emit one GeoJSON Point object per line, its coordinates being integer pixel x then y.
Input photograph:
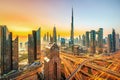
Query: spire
{"type": "Point", "coordinates": [72, 11]}
{"type": "Point", "coordinates": [72, 31]}
{"type": "Point", "coordinates": [72, 27]}
{"type": "Point", "coordinates": [54, 35]}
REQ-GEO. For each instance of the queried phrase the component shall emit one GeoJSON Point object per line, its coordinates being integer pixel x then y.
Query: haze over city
{"type": "Point", "coordinates": [22, 16]}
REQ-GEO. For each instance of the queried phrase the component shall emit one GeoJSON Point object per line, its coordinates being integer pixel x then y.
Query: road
{"type": "Point", "coordinates": [76, 66]}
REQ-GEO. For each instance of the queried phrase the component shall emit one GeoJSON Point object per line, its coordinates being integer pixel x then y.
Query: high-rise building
{"type": "Point", "coordinates": [76, 40]}
{"type": "Point", "coordinates": [51, 39]}
{"type": "Point", "coordinates": [62, 41]}
{"type": "Point", "coordinates": [109, 43]}
{"type": "Point", "coordinates": [34, 46]}
{"type": "Point", "coordinates": [113, 41]}
{"type": "Point", "coordinates": [52, 63]}
{"type": "Point", "coordinates": [93, 41]}
{"type": "Point", "coordinates": [31, 54]}
{"type": "Point", "coordinates": [87, 41]}
{"type": "Point", "coordinates": [79, 39]}
{"type": "Point", "coordinates": [58, 38]}
{"type": "Point", "coordinates": [117, 42]}
{"type": "Point", "coordinates": [44, 37]}
{"type": "Point", "coordinates": [15, 54]}
{"type": "Point", "coordinates": [83, 40]}
{"type": "Point", "coordinates": [6, 52]}
{"type": "Point", "coordinates": [38, 43]}
{"type": "Point", "coordinates": [100, 40]}
{"type": "Point", "coordinates": [54, 35]}
{"type": "Point", "coordinates": [72, 32]}
{"type": "Point", "coordinates": [47, 36]}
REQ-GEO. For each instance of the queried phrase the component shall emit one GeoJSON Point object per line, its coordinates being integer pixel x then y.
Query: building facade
{"type": "Point", "coordinates": [87, 39]}
{"type": "Point", "coordinates": [113, 40]}
{"type": "Point", "coordinates": [109, 43]}
{"type": "Point", "coordinates": [54, 35]}
{"type": "Point", "coordinates": [52, 63]}
{"type": "Point", "coordinates": [34, 46]}
{"type": "Point", "coordinates": [100, 40]}
{"type": "Point", "coordinates": [117, 42]}
{"type": "Point", "coordinates": [15, 54]}
{"type": "Point", "coordinates": [6, 50]}
{"type": "Point", "coordinates": [93, 41]}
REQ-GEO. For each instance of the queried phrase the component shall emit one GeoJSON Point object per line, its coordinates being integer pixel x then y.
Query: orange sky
{"type": "Point", "coordinates": [23, 16]}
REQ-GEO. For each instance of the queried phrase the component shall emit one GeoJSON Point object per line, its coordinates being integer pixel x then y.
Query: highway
{"type": "Point", "coordinates": [75, 65]}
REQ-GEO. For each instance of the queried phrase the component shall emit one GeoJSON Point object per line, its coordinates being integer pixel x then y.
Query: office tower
{"type": "Point", "coordinates": [44, 37]}
{"type": "Point", "coordinates": [58, 38]}
{"type": "Point", "coordinates": [15, 54]}
{"type": "Point", "coordinates": [47, 36]}
{"type": "Point", "coordinates": [38, 43]}
{"type": "Point", "coordinates": [54, 35]}
{"type": "Point", "coordinates": [31, 54]}
{"type": "Point", "coordinates": [87, 39]}
{"type": "Point", "coordinates": [62, 41]}
{"type": "Point", "coordinates": [117, 42]}
{"type": "Point", "coordinates": [72, 32]}
{"type": "Point", "coordinates": [113, 41]}
{"type": "Point", "coordinates": [10, 47]}
{"type": "Point", "coordinates": [52, 63]}
{"type": "Point", "coordinates": [76, 40]}
{"type": "Point", "coordinates": [100, 40]}
{"type": "Point", "coordinates": [109, 43]}
{"type": "Point", "coordinates": [93, 41]}
{"type": "Point", "coordinates": [80, 40]}
{"type": "Point", "coordinates": [5, 50]}
{"type": "Point", "coordinates": [51, 39]}
{"type": "Point", "coordinates": [105, 40]}
{"type": "Point", "coordinates": [83, 40]}
{"type": "Point", "coordinates": [34, 46]}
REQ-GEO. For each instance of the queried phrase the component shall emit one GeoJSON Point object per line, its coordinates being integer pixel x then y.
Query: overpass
{"type": "Point", "coordinates": [76, 66]}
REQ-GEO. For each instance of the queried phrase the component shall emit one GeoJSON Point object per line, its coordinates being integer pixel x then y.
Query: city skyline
{"type": "Point", "coordinates": [33, 14]}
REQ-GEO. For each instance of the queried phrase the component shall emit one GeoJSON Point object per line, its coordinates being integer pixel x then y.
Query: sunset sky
{"type": "Point", "coordinates": [23, 16]}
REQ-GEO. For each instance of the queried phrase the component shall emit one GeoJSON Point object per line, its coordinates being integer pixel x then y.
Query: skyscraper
{"type": "Point", "coordinates": [54, 35]}
{"type": "Point", "coordinates": [34, 46]}
{"type": "Point", "coordinates": [79, 39]}
{"type": "Point", "coordinates": [15, 54]}
{"type": "Point", "coordinates": [6, 52]}
{"type": "Point", "coordinates": [100, 40]}
{"type": "Point", "coordinates": [109, 43]}
{"type": "Point", "coordinates": [87, 39]}
{"type": "Point", "coordinates": [38, 43]}
{"type": "Point", "coordinates": [52, 63]}
{"type": "Point", "coordinates": [59, 38]}
{"type": "Point", "coordinates": [62, 41]}
{"type": "Point", "coordinates": [31, 53]}
{"type": "Point", "coordinates": [117, 42]}
{"type": "Point", "coordinates": [93, 41]}
{"type": "Point", "coordinates": [44, 37]}
{"type": "Point", "coordinates": [72, 32]}
{"type": "Point", "coordinates": [83, 40]}
{"type": "Point", "coordinates": [113, 40]}
{"type": "Point", "coordinates": [47, 36]}
{"type": "Point", "coordinates": [51, 39]}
